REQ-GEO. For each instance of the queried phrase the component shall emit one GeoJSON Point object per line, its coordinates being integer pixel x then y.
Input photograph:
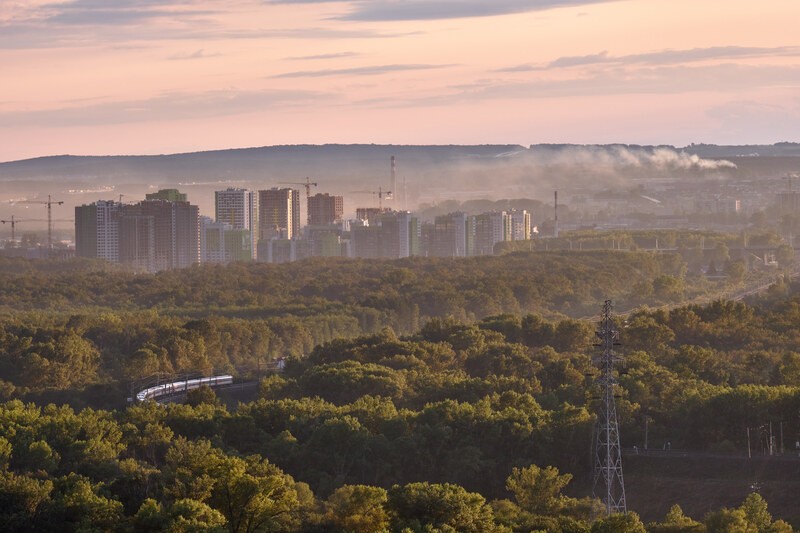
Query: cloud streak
{"type": "Point", "coordinates": [38, 35]}
{"type": "Point", "coordinates": [166, 107]}
{"type": "Point", "coordinates": [407, 10]}
{"type": "Point", "coordinates": [607, 82]}
{"type": "Point", "coordinates": [198, 54]}
{"type": "Point", "coordinates": [337, 55]}
{"type": "Point", "coordinates": [358, 71]}
{"type": "Point", "coordinates": [662, 57]}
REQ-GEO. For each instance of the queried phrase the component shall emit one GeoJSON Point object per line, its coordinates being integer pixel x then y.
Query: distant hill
{"type": "Point", "coordinates": [425, 174]}
{"type": "Point", "coordinates": [251, 163]}
{"type": "Point", "coordinates": [333, 160]}
{"type": "Point", "coordinates": [783, 149]}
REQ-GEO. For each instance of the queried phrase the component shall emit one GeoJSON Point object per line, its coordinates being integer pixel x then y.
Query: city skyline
{"type": "Point", "coordinates": [162, 76]}
{"type": "Point", "coordinates": [165, 231]}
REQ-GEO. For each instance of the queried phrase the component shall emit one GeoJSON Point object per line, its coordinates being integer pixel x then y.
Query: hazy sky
{"type": "Point", "coordinates": [162, 76]}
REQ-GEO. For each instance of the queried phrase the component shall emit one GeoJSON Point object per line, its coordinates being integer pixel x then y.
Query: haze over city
{"type": "Point", "coordinates": [163, 76]}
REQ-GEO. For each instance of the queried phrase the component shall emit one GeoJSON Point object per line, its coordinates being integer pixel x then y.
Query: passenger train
{"type": "Point", "coordinates": [175, 387]}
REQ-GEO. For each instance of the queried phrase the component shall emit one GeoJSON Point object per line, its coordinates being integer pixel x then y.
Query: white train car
{"type": "Point", "coordinates": [176, 387]}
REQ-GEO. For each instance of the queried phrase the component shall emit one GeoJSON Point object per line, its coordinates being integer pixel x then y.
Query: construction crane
{"type": "Point", "coordinates": [380, 193]}
{"type": "Point", "coordinates": [13, 227]}
{"type": "Point", "coordinates": [307, 184]}
{"type": "Point", "coordinates": [14, 221]}
{"type": "Point", "coordinates": [49, 203]}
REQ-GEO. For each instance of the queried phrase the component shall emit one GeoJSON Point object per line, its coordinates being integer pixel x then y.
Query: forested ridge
{"type": "Point", "coordinates": [468, 421]}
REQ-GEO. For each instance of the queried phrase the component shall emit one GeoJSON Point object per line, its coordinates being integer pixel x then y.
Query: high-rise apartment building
{"type": "Point", "coordinates": [520, 225]}
{"type": "Point", "coordinates": [97, 230]}
{"type": "Point", "coordinates": [221, 243]}
{"type": "Point", "coordinates": [491, 228]}
{"type": "Point", "coordinates": [391, 235]}
{"type": "Point", "coordinates": [152, 235]}
{"type": "Point", "coordinates": [137, 241]}
{"type": "Point", "coordinates": [324, 209]}
{"type": "Point", "coordinates": [212, 240]}
{"type": "Point", "coordinates": [176, 227]}
{"type": "Point", "coordinates": [238, 207]}
{"type": "Point", "coordinates": [278, 213]}
{"type": "Point", "coordinates": [452, 236]}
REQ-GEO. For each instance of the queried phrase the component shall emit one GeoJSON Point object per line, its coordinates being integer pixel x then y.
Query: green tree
{"type": "Point", "coordinates": [619, 523]}
{"type": "Point", "coordinates": [421, 506]}
{"type": "Point", "coordinates": [201, 395]}
{"type": "Point", "coordinates": [727, 521]}
{"type": "Point", "coordinates": [756, 513]}
{"type": "Point", "coordinates": [183, 516]}
{"type": "Point", "coordinates": [358, 509]}
{"type": "Point", "coordinates": [188, 516]}
{"type": "Point", "coordinates": [21, 500]}
{"type": "Point", "coordinates": [668, 288]}
{"type": "Point", "coordinates": [676, 522]}
{"type": "Point", "coordinates": [538, 490]}
{"type": "Point", "coordinates": [254, 495]}
{"type": "Point", "coordinates": [78, 506]}
{"type": "Point", "coordinates": [5, 453]}
{"type": "Point", "coordinates": [144, 362]}
{"type": "Point", "coordinates": [189, 468]}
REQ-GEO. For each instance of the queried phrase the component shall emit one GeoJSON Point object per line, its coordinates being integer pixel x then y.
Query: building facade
{"type": "Point", "coordinates": [170, 195]}
{"type": "Point", "coordinates": [278, 213]}
{"type": "Point", "coordinates": [453, 236]}
{"type": "Point", "coordinates": [152, 235]}
{"type": "Point", "coordinates": [391, 235]}
{"type": "Point", "coordinates": [239, 208]}
{"type": "Point", "coordinates": [137, 241]}
{"type": "Point", "coordinates": [520, 221]}
{"type": "Point", "coordinates": [97, 230]}
{"type": "Point", "coordinates": [491, 228]}
{"type": "Point", "coordinates": [324, 209]}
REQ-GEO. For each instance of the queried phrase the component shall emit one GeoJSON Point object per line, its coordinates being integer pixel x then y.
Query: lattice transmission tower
{"type": "Point", "coordinates": [608, 482]}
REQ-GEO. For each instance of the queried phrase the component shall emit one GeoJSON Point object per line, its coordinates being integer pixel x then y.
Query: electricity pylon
{"type": "Point", "coordinates": [608, 482]}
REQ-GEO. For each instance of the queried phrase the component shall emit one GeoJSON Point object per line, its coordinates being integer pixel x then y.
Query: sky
{"type": "Point", "coordinates": [102, 77]}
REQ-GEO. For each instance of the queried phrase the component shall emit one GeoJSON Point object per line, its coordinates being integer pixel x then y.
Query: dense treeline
{"type": "Point", "coordinates": [148, 470]}
{"type": "Point", "coordinates": [66, 325]}
{"type": "Point", "coordinates": [703, 252]}
{"type": "Point", "coordinates": [399, 293]}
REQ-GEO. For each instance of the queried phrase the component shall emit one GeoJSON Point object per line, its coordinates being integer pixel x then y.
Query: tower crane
{"type": "Point", "coordinates": [307, 184]}
{"type": "Point", "coordinates": [49, 203]}
{"type": "Point", "coordinates": [380, 193]}
{"type": "Point", "coordinates": [14, 221]}
{"type": "Point", "coordinates": [13, 227]}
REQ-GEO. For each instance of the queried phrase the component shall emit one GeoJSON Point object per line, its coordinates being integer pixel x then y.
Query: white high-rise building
{"type": "Point", "coordinates": [108, 230]}
{"type": "Point", "coordinates": [491, 228]}
{"type": "Point", "coordinates": [520, 225]}
{"type": "Point", "coordinates": [212, 240]}
{"type": "Point", "coordinates": [239, 208]}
